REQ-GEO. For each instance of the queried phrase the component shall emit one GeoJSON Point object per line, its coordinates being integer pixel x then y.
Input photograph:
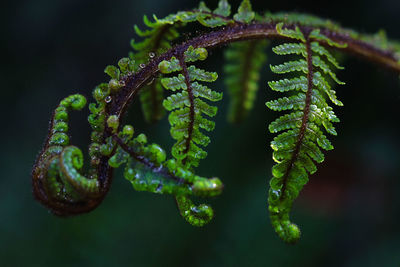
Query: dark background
{"type": "Point", "coordinates": [349, 213]}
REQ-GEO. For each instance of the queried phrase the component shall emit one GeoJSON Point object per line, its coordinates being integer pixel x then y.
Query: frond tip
{"type": "Point", "coordinates": [298, 148]}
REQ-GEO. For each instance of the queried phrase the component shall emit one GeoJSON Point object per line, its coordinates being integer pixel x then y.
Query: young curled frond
{"type": "Point", "coordinates": [57, 179]}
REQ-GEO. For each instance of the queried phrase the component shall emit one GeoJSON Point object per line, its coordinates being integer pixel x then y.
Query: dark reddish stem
{"type": "Point", "coordinates": [191, 101]}
{"type": "Point", "coordinates": [306, 115]}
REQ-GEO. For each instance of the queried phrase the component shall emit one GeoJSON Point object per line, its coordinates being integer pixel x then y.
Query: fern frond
{"type": "Point", "coordinates": [187, 108]}
{"type": "Point", "coordinates": [298, 147]}
{"type": "Point", "coordinates": [148, 169]}
{"type": "Point", "coordinates": [244, 61]}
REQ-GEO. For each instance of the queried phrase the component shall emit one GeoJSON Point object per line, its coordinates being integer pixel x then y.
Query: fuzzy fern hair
{"type": "Point", "coordinates": [165, 71]}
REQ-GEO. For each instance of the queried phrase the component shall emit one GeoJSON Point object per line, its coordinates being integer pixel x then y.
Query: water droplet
{"type": "Point", "coordinates": [152, 55]}
{"type": "Point", "coordinates": [108, 99]}
{"type": "Point", "coordinates": [142, 66]}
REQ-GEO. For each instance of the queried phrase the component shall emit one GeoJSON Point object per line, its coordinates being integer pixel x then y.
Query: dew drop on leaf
{"type": "Point", "coordinates": [108, 99]}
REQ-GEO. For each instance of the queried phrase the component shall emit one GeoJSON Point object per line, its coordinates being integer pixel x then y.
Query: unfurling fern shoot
{"type": "Point", "coordinates": [162, 71]}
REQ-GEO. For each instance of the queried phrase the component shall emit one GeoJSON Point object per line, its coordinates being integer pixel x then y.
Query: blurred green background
{"type": "Point", "coordinates": [349, 212]}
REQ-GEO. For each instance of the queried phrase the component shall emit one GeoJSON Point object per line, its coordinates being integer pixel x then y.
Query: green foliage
{"type": "Point", "coordinates": [187, 108]}
{"type": "Point", "coordinates": [216, 18]}
{"type": "Point", "coordinates": [298, 147]}
{"type": "Point", "coordinates": [244, 61]}
{"type": "Point", "coordinates": [147, 168]}
{"type": "Point", "coordinates": [245, 13]}
{"type": "Point", "coordinates": [57, 176]}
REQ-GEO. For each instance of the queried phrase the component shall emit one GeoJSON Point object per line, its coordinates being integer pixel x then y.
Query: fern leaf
{"type": "Point", "coordinates": [320, 82]}
{"type": "Point", "coordinates": [298, 147]}
{"type": "Point", "coordinates": [196, 74]}
{"type": "Point", "coordinates": [290, 66]}
{"type": "Point", "coordinates": [222, 13]}
{"type": "Point", "coordinates": [298, 83]}
{"type": "Point", "coordinates": [295, 102]}
{"type": "Point", "coordinates": [187, 108]}
{"type": "Point", "coordinates": [245, 13]}
{"type": "Point", "coordinates": [224, 8]}
{"type": "Point", "coordinates": [316, 35]}
{"type": "Point", "coordinates": [318, 62]}
{"type": "Point", "coordinates": [322, 51]}
{"type": "Point", "coordinates": [244, 61]}
{"type": "Point", "coordinates": [294, 34]}
{"type": "Point", "coordinates": [290, 49]}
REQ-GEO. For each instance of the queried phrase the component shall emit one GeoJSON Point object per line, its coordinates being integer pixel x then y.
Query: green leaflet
{"type": "Point", "coordinates": [217, 18]}
{"type": "Point", "coordinates": [187, 108]}
{"type": "Point", "coordinates": [224, 8]}
{"type": "Point", "coordinates": [245, 13]}
{"type": "Point", "coordinates": [290, 66]}
{"type": "Point", "coordinates": [300, 144]}
{"type": "Point", "coordinates": [316, 35]}
{"type": "Point", "coordinates": [244, 61]}
{"type": "Point", "coordinates": [294, 34]}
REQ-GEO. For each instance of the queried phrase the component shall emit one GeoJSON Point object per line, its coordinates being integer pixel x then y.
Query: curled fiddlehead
{"type": "Point", "coordinates": [57, 177]}
{"type": "Point", "coordinates": [57, 181]}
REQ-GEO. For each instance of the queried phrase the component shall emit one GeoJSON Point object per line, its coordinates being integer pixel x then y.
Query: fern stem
{"type": "Point", "coordinates": [235, 33]}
